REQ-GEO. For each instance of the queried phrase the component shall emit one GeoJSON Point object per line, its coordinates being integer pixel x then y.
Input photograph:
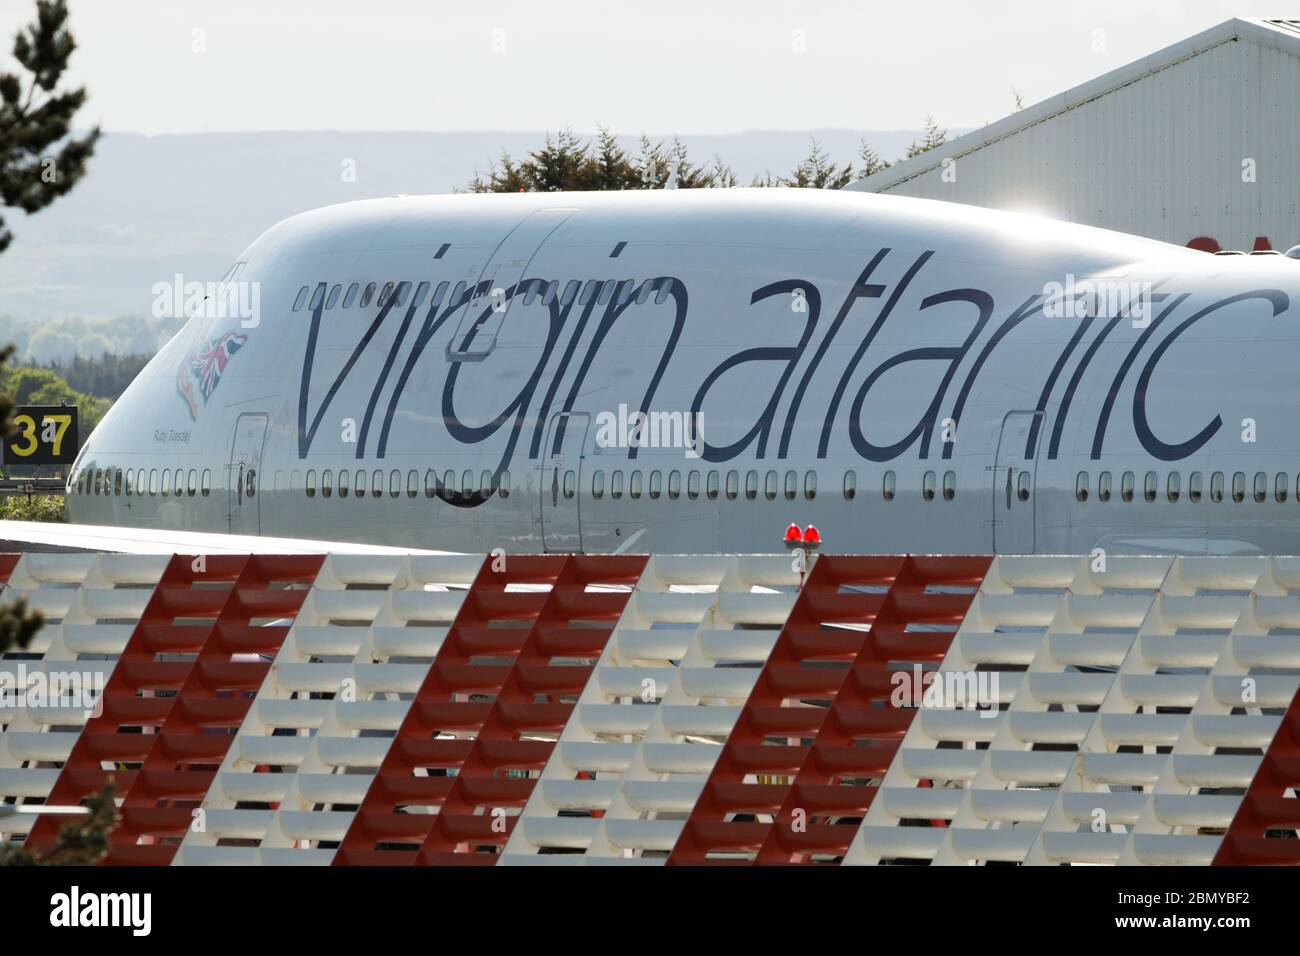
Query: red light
{"type": "Point", "coordinates": [793, 535]}
{"type": "Point", "coordinates": [811, 536]}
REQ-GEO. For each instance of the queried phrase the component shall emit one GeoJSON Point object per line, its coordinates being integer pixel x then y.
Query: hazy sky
{"type": "Point", "coordinates": [686, 66]}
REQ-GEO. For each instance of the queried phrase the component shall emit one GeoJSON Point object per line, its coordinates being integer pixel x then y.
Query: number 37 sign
{"type": "Point", "coordinates": [42, 435]}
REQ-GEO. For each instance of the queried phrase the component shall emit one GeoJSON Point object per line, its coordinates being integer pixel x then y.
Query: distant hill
{"type": "Point", "coordinates": [151, 207]}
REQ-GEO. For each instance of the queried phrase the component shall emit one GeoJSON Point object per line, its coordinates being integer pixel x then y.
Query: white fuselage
{"type": "Point", "coordinates": [909, 376]}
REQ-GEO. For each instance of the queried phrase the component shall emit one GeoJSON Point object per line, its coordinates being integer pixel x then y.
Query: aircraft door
{"type": "Point", "coordinates": [481, 318]}
{"type": "Point", "coordinates": [561, 481]}
{"type": "Point", "coordinates": [244, 478]}
{"type": "Point", "coordinates": [1014, 474]}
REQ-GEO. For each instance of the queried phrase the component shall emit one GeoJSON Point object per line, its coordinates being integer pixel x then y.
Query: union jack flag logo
{"type": "Point", "coordinates": [207, 364]}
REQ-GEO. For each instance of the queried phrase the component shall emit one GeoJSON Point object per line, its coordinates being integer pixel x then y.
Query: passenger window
{"type": "Point", "coordinates": [166, 483]}
{"type": "Point", "coordinates": [385, 294]}
{"type": "Point", "coordinates": [1172, 486]}
{"type": "Point", "coordinates": [377, 483]}
{"type": "Point", "coordinates": [403, 290]}
{"type": "Point", "coordinates": [345, 482]}
{"type": "Point", "coordinates": [430, 483]}
{"type": "Point", "coordinates": [674, 485]}
{"type": "Point", "coordinates": [359, 484]}
{"type": "Point", "coordinates": [949, 485]}
{"type": "Point", "coordinates": [662, 295]}
{"type": "Point", "coordinates": [1081, 486]}
{"type": "Point", "coordinates": [616, 485]}
{"type": "Point", "coordinates": [693, 485]}
{"type": "Point", "coordinates": [733, 485]}
{"type": "Point", "coordinates": [634, 485]}
{"type": "Point", "coordinates": [351, 295]}
{"type": "Point", "coordinates": [643, 293]}
{"type": "Point", "coordinates": [751, 485]}
{"type": "Point", "coordinates": [570, 291]}
{"type": "Point", "coordinates": [656, 483]}
{"type": "Point", "coordinates": [1103, 486]}
{"type": "Point", "coordinates": [1126, 486]}
{"type": "Point", "coordinates": [191, 485]}
{"type": "Point", "coordinates": [311, 484]}
{"type": "Point", "coordinates": [368, 294]}
{"type": "Point", "coordinates": [1238, 487]}
{"type": "Point", "coordinates": [153, 482]}
{"type": "Point", "coordinates": [1022, 485]}
{"type": "Point", "coordinates": [485, 483]}
{"type": "Point", "coordinates": [1149, 486]}
{"type": "Point", "coordinates": [712, 485]}
{"type": "Point", "coordinates": [99, 479]}
{"type": "Point", "coordinates": [394, 483]}
{"type": "Point", "coordinates": [927, 486]}
{"type": "Point", "coordinates": [334, 296]}
{"type": "Point", "coordinates": [887, 486]}
{"type": "Point", "coordinates": [570, 483]}
{"type": "Point", "coordinates": [1194, 486]}
{"type": "Point", "coordinates": [589, 292]}
{"type": "Point", "coordinates": [503, 488]}
{"type": "Point", "coordinates": [117, 483]}
{"type": "Point", "coordinates": [606, 291]}
{"type": "Point", "coordinates": [458, 293]}
{"type": "Point", "coordinates": [810, 485]}
{"type": "Point", "coordinates": [598, 485]}
{"type": "Point", "coordinates": [301, 300]}
{"type": "Point", "coordinates": [467, 483]}
{"type": "Point", "coordinates": [1261, 486]}
{"type": "Point", "coordinates": [420, 292]}
{"type": "Point", "coordinates": [205, 487]}
{"type": "Point", "coordinates": [438, 293]}
{"type": "Point", "coordinates": [850, 485]}
{"type": "Point", "coordinates": [1216, 486]}
{"type": "Point", "coordinates": [552, 288]}
{"type": "Point", "coordinates": [1279, 486]}
{"type": "Point", "coordinates": [769, 486]}
{"type": "Point", "coordinates": [791, 485]}
{"type": "Point", "coordinates": [412, 483]}
{"type": "Point", "coordinates": [250, 483]}
{"type": "Point", "coordinates": [326, 483]}
{"type": "Point", "coordinates": [318, 296]}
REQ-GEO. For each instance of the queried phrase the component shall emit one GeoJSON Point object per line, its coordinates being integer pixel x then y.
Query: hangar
{"type": "Point", "coordinates": [1197, 144]}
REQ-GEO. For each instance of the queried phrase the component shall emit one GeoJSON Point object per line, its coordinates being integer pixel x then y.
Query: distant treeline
{"type": "Point", "coordinates": [63, 340]}
{"type": "Point", "coordinates": [105, 376]}
{"type": "Point", "coordinates": [568, 162]}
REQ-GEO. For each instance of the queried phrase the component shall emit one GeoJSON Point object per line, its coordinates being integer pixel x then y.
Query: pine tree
{"type": "Point", "coordinates": [36, 117]}
{"type": "Point", "coordinates": [934, 137]}
{"type": "Point", "coordinates": [817, 171]}
{"type": "Point", "coordinates": [871, 161]}
{"type": "Point", "coordinates": [83, 841]}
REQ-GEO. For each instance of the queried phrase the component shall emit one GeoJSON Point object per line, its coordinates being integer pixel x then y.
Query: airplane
{"type": "Point", "coordinates": [694, 370]}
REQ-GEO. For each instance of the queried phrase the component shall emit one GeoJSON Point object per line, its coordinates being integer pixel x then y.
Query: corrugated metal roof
{"type": "Point", "coordinates": [1280, 34]}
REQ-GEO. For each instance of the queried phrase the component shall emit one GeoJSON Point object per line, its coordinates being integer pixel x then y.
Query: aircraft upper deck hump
{"type": "Point", "coordinates": [690, 369]}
